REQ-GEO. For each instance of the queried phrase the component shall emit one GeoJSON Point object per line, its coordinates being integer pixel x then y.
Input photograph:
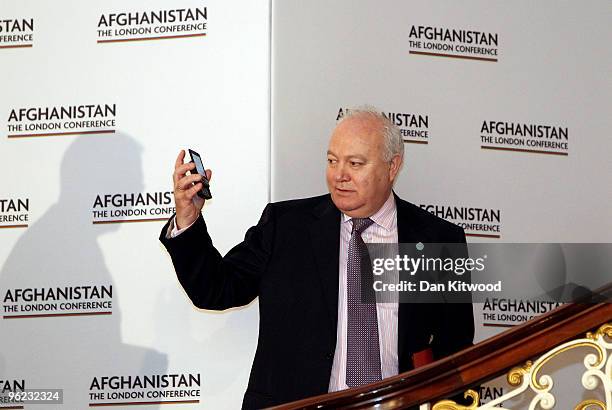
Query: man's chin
{"type": "Point", "coordinates": [346, 205]}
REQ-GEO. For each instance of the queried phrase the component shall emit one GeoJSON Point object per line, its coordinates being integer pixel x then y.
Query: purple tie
{"type": "Point", "coordinates": [363, 350]}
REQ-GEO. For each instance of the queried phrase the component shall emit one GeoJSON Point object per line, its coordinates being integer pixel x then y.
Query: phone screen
{"type": "Point", "coordinates": [198, 161]}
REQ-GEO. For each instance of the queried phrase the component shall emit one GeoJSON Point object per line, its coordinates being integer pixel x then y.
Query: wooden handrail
{"type": "Point", "coordinates": [472, 366]}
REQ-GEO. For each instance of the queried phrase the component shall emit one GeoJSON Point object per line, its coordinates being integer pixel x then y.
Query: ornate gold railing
{"type": "Point", "coordinates": [547, 337]}
{"type": "Point", "coordinates": [598, 373]}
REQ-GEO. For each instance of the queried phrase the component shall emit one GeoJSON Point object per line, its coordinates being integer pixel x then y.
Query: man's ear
{"type": "Point", "coordinates": [394, 166]}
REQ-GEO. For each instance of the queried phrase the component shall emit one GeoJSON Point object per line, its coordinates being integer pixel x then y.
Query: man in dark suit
{"type": "Point", "coordinates": [315, 334]}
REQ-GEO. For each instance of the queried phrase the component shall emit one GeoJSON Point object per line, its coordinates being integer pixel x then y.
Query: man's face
{"type": "Point", "coordinates": [358, 178]}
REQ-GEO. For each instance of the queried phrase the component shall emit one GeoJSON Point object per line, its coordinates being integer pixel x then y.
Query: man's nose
{"type": "Point", "coordinates": [342, 174]}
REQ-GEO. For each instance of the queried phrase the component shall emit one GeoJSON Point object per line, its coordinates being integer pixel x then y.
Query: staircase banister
{"type": "Point", "coordinates": [472, 366]}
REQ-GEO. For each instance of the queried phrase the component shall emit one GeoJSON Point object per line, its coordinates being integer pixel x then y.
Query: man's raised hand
{"type": "Point", "coordinates": [188, 203]}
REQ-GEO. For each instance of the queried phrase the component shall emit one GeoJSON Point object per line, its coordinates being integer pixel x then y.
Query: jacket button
{"type": "Point", "coordinates": [329, 356]}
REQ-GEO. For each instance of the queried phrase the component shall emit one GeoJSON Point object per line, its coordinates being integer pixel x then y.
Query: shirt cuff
{"type": "Point", "coordinates": [173, 230]}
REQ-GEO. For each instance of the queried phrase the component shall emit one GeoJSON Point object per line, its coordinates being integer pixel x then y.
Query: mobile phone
{"type": "Point", "coordinates": [197, 160]}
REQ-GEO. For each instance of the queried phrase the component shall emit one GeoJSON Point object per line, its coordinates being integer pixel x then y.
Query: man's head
{"type": "Point", "coordinates": [363, 159]}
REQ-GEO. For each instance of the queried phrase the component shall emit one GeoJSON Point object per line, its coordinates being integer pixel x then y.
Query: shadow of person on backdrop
{"type": "Point", "coordinates": [61, 250]}
{"type": "Point", "coordinates": [201, 335]}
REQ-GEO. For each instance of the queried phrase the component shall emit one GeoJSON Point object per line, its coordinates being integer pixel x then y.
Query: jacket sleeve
{"type": "Point", "coordinates": [218, 282]}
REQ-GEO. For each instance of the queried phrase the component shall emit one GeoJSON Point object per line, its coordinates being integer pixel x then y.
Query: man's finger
{"type": "Point", "coordinates": [191, 192]}
{"type": "Point", "coordinates": [178, 163]}
{"type": "Point", "coordinates": [185, 182]}
{"type": "Point", "coordinates": [181, 171]}
{"type": "Point", "coordinates": [179, 159]}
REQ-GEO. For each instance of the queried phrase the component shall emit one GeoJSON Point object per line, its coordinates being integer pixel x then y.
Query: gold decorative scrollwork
{"type": "Point", "coordinates": [598, 372]}
{"type": "Point", "coordinates": [451, 405]}
{"type": "Point", "coordinates": [515, 376]}
{"type": "Point", "coordinates": [586, 405]}
{"type": "Point", "coordinates": [604, 330]}
{"type": "Point", "coordinates": [558, 351]}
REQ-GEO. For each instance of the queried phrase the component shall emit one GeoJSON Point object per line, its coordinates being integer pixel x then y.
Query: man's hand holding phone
{"type": "Point", "coordinates": [186, 188]}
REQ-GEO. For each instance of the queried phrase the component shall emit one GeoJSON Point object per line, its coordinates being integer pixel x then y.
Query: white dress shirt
{"type": "Point", "coordinates": [383, 230]}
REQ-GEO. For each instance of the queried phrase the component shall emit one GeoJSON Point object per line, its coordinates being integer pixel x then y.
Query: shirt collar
{"type": "Point", "coordinates": [384, 217]}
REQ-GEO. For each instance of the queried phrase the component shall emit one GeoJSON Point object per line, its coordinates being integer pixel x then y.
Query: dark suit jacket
{"type": "Point", "coordinates": [290, 260]}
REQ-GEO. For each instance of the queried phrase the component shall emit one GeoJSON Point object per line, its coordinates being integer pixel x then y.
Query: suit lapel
{"type": "Point", "coordinates": [408, 226]}
{"type": "Point", "coordinates": [325, 239]}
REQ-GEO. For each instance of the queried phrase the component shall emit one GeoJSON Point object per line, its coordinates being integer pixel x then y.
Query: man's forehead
{"type": "Point", "coordinates": [361, 124]}
{"type": "Point", "coordinates": [351, 153]}
{"type": "Point", "coordinates": [357, 132]}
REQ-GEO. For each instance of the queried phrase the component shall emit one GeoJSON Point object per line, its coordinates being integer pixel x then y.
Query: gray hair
{"type": "Point", "coordinates": [393, 141]}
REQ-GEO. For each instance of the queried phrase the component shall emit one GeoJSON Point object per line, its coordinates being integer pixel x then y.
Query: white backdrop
{"type": "Point", "coordinates": [208, 89]}
{"type": "Point", "coordinates": [207, 92]}
{"type": "Point", "coordinates": [552, 68]}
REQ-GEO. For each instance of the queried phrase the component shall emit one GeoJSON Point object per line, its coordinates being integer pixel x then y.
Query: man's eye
{"type": "Point", "coordinates": [331, 161]}
{"type": "Point", "coordinates": [355, 163]}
